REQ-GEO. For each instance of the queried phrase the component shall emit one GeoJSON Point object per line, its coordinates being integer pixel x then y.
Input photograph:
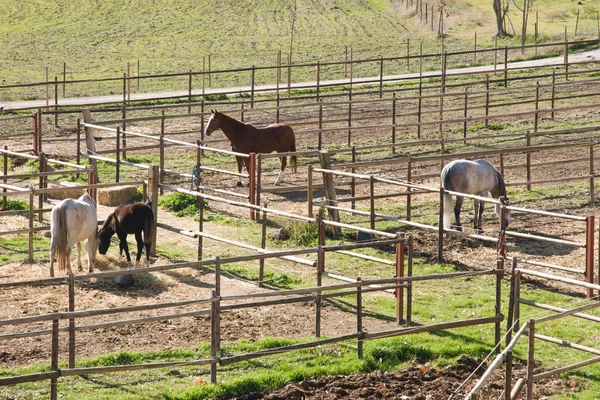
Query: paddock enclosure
{"type": "Point", "coordinates": [369, 161]}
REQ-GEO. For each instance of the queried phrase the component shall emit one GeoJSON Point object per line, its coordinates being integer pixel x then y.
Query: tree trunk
{"type": "Point", "coordinates": [499, 18]}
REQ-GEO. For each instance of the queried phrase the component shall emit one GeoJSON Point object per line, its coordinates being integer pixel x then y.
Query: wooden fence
{"type": "Point", "coordinates": [499, 56]}
{"type": "Point", "coordinates": [216, 304]}
{"type": "Point", "coordinates": [331, 202]}
{"type": "Point", "coordinates": [529, 329]}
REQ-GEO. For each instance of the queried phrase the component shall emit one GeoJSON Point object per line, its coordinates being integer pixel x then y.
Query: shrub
{"type": "Point", "coordinates": [181, 204]}
{"type": "Point", "coordinates": [15, 205]}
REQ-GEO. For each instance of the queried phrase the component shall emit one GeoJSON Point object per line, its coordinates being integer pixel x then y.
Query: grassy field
{"type": "Point", "coordinates": [98, 38]}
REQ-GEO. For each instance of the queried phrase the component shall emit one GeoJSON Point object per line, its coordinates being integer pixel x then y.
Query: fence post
{"type": "Point", "coordinates": [309, 190]}
{"type": "Point", "coordinates": [252, 184]}
{"type": "Point", "coordinates": [252, 87]}
{"type": "Point", "coordinates": [372, 201]}
{"type": "Point", "coordinates": [505, 66]}
{"type": "Point", "coordinates": [153, 178]}
{"type": "Point", "coordinates": [589, 253]}
{"type": "Point", "coordinates": [39, 129]}
{"type": "Point", "coordinates": [320, 271]}
{"type": "Point", "coordinates": [54, 360]}
{"type": "Point", "coordinates": [399, 274]}
{"type": "Point", "coordinates": [487, 99]}
{"type": "Point", "coordinates": [118, 155]}
{"type": "Point", "coordinates": [92, 181]}
{"type": "Point", "coordinates": [200, 226]}
{"type": "Point", "coordinates": [359, 323]}
{"type": "Point", "coordinates": [330, 195]}
{"type": "Point", "coordinates": [318, 79]}
{"type": "Point", "coordinates": [350, 115]}
{"type": "Point", "coordinates": [465, 114]}
{"type": "Point", "coordinates": [123, 132]}
{"type": "Point", "coordinates": [537, 107]}
{"type": "Point", "coordinates": [592, 189]}
{"type": "Point", "coordinates": [553, 92]}
{"type": "Point", "coordinates": [528, 161]}
{"type": "Point", "coordinates": [566, 55]}
{"type": "Point", "coordinates": [56, 102]}
{"type": "Point", "coordinates": [408, 188]}
{"type": "Point", "coordinates": [320, 141]}
{"type": "Point", "coordinates": [36, 150]}
{"type": "Point", "coordinates": [5, 173]}
{"type": "Point", "coordinates": [409, 285]}
{"type": "Point", "coordinates": [214, 331]}
{"type": "Point", "coordinates": [530, 359]}
{"type": "Point", "coordinates": [394, 123]}
{"type": "Point", "coordinates": [42, 179]}
{"type": "Point", "coordinates": [381, 77]}
{"type": "Point", "coordinates": [78, 144]}
{"type": "Point", "coordinates": [71, 282]}
{"type": "Point", "coordinates": [440, 257]}
{"type": "Point", "coordinates": [353, 180]}
{"type": "Point", "coordinates": [509, 331]}
{"type": "Point", "coordinates": [30, 233]}
{"type": "Point", "coordinates": [190, 92]}
{"type": "Point", "coordinates": [263, 244]}
{"type": "Point", "coordinates": [419, 107]}
{"type": "Point", "coordinates": [161, 150]}
{"type": "Point", "coordinates": [258, 182]}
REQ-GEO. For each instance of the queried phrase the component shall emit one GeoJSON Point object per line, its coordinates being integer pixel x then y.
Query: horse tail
{"type": "Point", "coordinates": [446, 184]}
{"type": "Point", "coordinates": [294, 158]}
{"type": "Point", "coordinates": [60, 235]}
{"type": "Point", "coordinates": [447, 211]}
{"type": "Point", "coordinates": [148, 221]}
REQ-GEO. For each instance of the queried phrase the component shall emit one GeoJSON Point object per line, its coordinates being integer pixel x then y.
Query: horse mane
{"type": "Point", "coordinates": [108, 228]}
{"type": "Point", "coordinates": [501, 189]}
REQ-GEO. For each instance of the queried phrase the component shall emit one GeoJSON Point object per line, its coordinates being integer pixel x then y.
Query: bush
{"type": "Point", "coordinates": [181, 204]}
{"type": "Point", "coordinates": [14, 205]}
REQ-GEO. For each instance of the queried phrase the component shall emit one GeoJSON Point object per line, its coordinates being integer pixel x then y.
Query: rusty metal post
{"type": "Point", "coordinates": [252, 184]}
{"type": "Point", "coordinates": [589, 252]}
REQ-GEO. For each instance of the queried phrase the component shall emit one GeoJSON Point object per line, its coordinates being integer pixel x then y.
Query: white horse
{"type": "Point", "coordinates": [478, 177]}
{"type": "Point", "coordinates": [73, 221]}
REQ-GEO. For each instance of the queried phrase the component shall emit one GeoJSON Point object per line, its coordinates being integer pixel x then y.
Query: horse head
{"type": "Point", "coordinates": [106, 232]}
{"type": "Point", "coordinates": [214, 122]}
{"type": "Point", "coordinates": [498, 210]}
{"type": "Point", "coordinates": [93, 242]}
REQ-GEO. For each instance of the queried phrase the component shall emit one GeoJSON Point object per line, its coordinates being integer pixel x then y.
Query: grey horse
{"type": "Point", "coordinates": [478, 177]}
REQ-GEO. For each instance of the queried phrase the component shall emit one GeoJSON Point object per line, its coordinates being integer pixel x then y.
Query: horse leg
{"type": "Point", "coordinates": [457, 207]}
{"type": "Point", "coordinates": [88, 250]}
{"type": "Point", "coordinates": [140, 247]}
{"type": "Point", "coordinates": [79, 266]}
{"type": "Point", "coordinates": [239, 164]}
{"type": "Point", "coordinates": [479, 217]}
{"type": "Point", "coordinates": [123, 247]}
{"type": "Point", "coordinates": [281, 175]}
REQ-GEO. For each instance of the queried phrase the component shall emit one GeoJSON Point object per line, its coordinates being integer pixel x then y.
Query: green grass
{"type": "Point", "coordinates": [165, 38]}
{"type": "Point", "coordinates": [14, 248]}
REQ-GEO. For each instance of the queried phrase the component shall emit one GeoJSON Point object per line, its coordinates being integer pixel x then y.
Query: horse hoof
{"type": "Point", "coordinates": [128, 265]}
{"type": "Point", "coordinates": [239, 184]}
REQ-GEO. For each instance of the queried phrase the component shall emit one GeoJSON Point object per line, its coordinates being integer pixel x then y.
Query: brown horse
{"type": "Point", "coordinates": [128, 218]}
{"type": "Point", "coordinates": [247, 139]}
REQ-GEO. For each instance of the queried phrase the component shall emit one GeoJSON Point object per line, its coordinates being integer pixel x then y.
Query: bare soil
{"type": "Point", "coordinates": [293, 320]}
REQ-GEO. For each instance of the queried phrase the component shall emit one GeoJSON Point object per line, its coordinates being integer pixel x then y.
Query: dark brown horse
{"type": "Point", "coordinates": [247, 139]}
{"type": "Point", "coordinates": [128, 218]}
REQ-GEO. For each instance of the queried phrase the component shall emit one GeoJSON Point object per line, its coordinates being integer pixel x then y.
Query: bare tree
{"type": "Point", "coordinates": [501, 10]}
{"type": "Point", "coordinates": [527, 5]}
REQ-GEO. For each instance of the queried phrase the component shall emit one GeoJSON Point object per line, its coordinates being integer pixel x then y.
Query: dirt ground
{"type": "Point", "coordinates": [419, 382]}
{"type": "Point", "coordinates": [293, 320]}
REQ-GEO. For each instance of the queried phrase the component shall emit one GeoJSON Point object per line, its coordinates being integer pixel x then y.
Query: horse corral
{"type": "Point", "coordinates": [413, 177]}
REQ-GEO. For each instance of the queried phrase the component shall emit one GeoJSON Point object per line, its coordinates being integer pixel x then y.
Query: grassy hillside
{"type": "Point", "coordinates": [98, 38]}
